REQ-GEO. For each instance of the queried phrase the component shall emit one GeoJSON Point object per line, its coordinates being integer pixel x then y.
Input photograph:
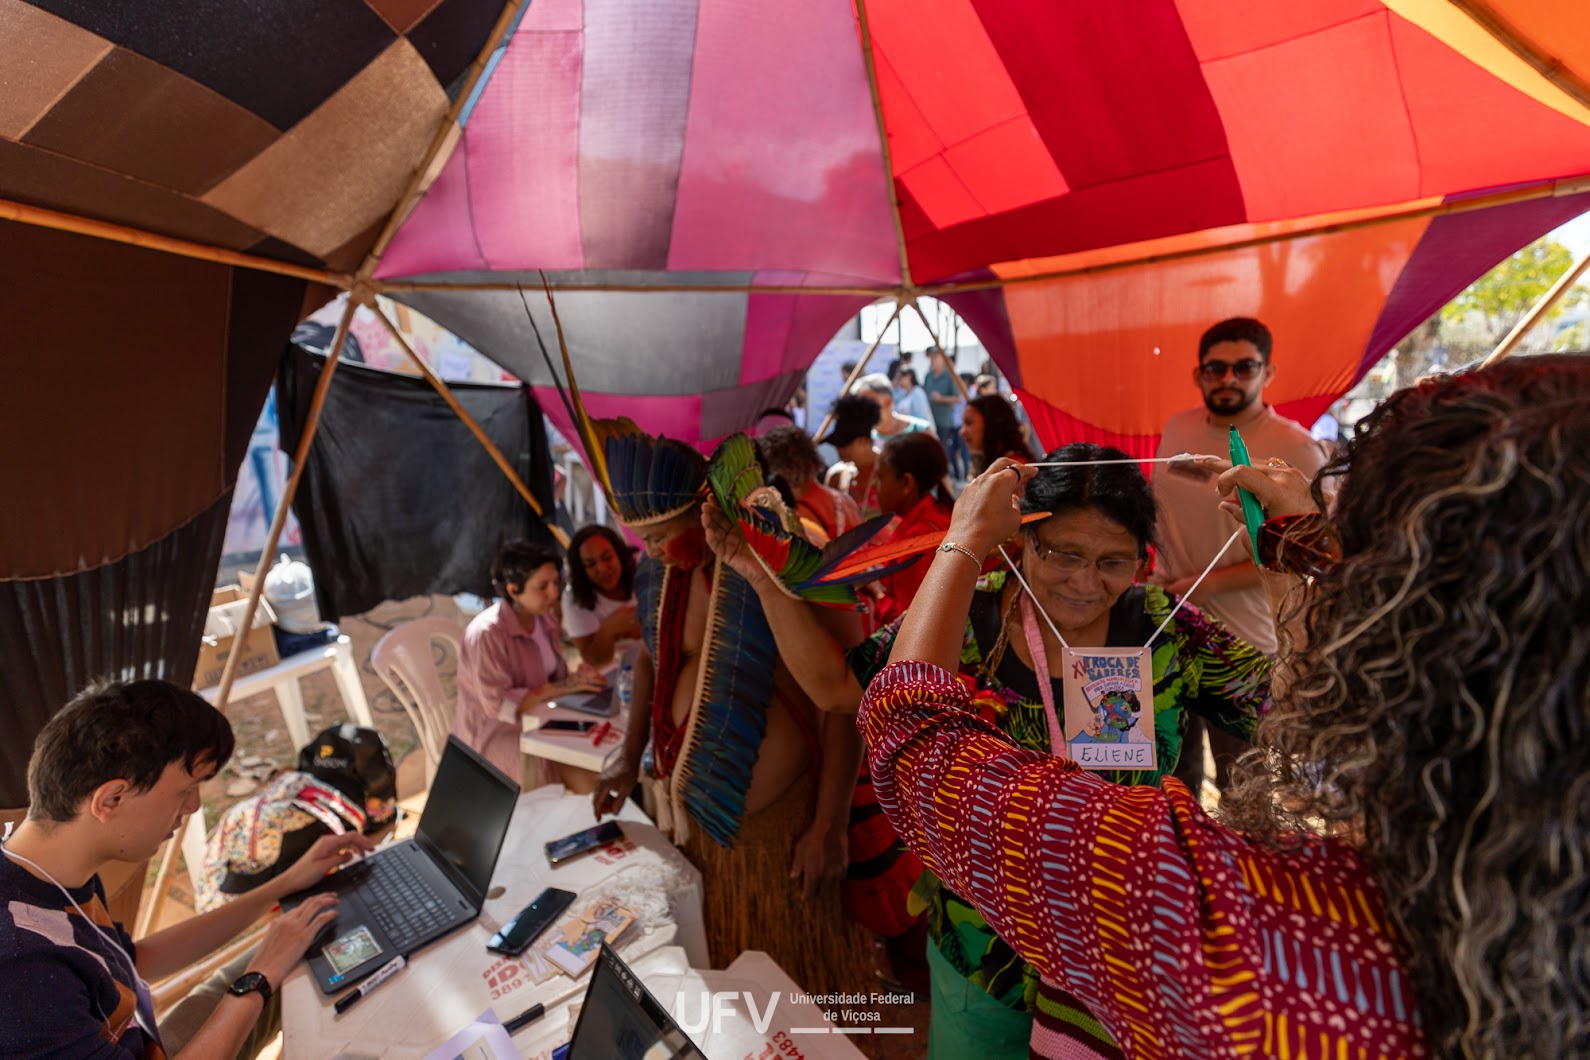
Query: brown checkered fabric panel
{"type": "Point", "coordinates": [288, 127]}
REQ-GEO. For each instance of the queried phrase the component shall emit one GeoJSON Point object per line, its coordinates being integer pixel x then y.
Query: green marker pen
{"type": "Point", "coordinates": [1252, 511]}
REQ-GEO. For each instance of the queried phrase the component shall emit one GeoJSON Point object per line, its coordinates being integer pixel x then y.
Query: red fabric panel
{"type": "Point", "coordinates": [1328, 130]}
{"type": "Point", "coordinates": [1202, 195]}
{"type": "Point", "coordinates": [1219, 28]}
{"type": "Point", "coordinates": [1114, 89]}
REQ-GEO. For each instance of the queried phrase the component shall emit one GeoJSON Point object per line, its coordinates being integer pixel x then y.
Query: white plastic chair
{"type": "Point", "coordinates": [405, 658]}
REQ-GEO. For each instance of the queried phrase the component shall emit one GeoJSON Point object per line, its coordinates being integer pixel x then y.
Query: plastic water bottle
{"type": "Point", "coordinates": [624, 685]}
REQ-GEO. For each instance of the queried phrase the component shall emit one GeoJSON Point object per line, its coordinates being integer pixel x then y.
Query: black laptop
{"type": "Point", "coordinates": [620, 1020]}
{"type": "Point", "coordinates": [416, 890]}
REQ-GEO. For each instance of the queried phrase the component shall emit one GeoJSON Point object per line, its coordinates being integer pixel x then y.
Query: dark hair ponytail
{"type": "Point", "coordinates": [921, 456]}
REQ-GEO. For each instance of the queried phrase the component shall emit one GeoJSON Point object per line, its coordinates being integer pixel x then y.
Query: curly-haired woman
{"type": "Point", "coordinates": [599, 604]}
{"type": "Point", "coordinates": [1404, 868]}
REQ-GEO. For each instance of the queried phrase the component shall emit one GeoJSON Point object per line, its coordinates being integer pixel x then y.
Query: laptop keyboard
{"type": "Point", "coordinates": [401, 901]}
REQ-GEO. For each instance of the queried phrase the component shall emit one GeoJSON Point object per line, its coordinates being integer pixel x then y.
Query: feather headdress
{"type": "Point", "coordinates": [799, 568]}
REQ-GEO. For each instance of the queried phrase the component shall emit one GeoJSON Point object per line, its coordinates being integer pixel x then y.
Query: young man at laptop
{"type": "Point", "coordinates": [111, 778]}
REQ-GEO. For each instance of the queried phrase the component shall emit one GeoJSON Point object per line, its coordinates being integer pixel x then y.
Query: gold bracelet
{"type": "Point", "coordinates": [950, 546]}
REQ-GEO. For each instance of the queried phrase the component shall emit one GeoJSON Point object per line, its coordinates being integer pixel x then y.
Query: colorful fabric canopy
{"type": "Point", "coordinates": [1088, 184]}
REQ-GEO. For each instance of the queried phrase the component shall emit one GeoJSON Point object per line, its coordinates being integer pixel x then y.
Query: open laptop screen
{"type": "Point", "coordinates": [467, 814]}
{"type": "Point", "coordinates": [620, 1020]}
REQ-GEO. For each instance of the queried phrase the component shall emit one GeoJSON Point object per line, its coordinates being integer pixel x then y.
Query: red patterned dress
{"type": "Point", "coordinates": [1183, 938]}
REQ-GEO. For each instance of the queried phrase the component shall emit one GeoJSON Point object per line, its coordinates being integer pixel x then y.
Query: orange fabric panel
{"type": "Point", "coordinates": [1477, 131]}
{"type": "Point", "coordinates": [1555, 27]}
{"type": "Point", "coordinates": [1110, 335]}
{"type": "Point", "coordinates": [1206, 239]}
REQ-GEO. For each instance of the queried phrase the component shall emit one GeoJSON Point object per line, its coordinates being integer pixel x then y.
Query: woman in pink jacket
{"type": "Point", "coordinates": [512, 657]}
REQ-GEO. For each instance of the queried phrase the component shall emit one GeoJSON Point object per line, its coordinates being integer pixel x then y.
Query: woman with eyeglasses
{"type": "Point", "coordinates": [1400, 870]}
{"type": "Point", "coordinates": [1082, 562]}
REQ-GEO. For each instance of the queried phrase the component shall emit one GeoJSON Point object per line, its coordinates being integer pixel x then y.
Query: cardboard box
{"type": "Point", "coordinates": [227, 605]}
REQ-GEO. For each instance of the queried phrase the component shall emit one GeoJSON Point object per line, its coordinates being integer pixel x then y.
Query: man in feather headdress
{"type": "Point", "coordinates": [753, 784]}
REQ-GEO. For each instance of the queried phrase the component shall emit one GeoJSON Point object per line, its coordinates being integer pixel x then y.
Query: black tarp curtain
{"type": "Point", "coordinates": [398, 498]}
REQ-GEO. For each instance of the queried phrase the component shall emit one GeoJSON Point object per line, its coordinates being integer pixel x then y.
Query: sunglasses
{"type": "Point", "coordinates": [1298, 544]}
{"type": "Point", "coordinates": [1244, 370]}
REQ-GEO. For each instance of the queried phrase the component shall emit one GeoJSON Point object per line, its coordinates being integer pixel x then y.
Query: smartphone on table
{"type": "Point", "coordinates": [565, 725]}
{"type": "Point", "coordinates": [517, 934]}
{"type": "Point", "coordinates": [572, 846]}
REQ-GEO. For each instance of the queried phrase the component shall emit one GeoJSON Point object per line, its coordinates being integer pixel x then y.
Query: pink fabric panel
{"type": "Point", "coordinates": [782, 167]}
{"type": "Point", "coordinates": [783, 332]}
{"type": "Point", "coordinates": [438, 235]}
{"type": "Point", "coordinates": [676, 417]}
{"type": "Point", "coordinates": [522, 149]}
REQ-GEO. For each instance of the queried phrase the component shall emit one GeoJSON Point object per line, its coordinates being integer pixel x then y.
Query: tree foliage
{"type": "Point", "coordinates": [1497, 301]}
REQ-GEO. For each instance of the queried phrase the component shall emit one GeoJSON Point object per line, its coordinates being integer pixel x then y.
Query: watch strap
{"type": "Point", "coordinates": [251, 983]}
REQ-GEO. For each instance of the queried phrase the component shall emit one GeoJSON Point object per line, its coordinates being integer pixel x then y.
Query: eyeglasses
{"type": "Point", "coordinates": [1067, 563]}
{"type": "Point", "coordinates": [1244, 370]}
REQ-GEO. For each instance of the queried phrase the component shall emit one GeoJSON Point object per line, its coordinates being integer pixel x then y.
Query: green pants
{"type": "Point", "coordinates": [966, 1021]}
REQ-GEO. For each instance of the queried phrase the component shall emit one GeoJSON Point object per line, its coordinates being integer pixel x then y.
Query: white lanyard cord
{"type": "Point", "coordinates": [1014, 569]}
{"type": "Point", "coordinates": [1238, 532]}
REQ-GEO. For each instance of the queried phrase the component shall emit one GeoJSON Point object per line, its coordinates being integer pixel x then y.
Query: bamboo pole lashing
{"type": "Point", "coordinates": [859, 370]}
{"type": "Point", "coordinates": [1538, 311]}
{"type": "Point", "coordinates": [473, 424]}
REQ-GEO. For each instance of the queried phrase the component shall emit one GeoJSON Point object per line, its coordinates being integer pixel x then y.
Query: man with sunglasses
{"type": "Point", "coordinates": [1234, 367]}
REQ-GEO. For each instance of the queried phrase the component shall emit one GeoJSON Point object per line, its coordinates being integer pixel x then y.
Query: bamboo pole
{"type": "Point", "coordinates": [157, 901]}
{"type": "Point", "coordinates": [960, 384]}
{"type": "Point", "coordinates": [1549, 67]}
{"type": "Point", "coordinates": [395, 287]}
{"type": "Point", "coordinates": [883, 139]}
{"type": "Point", "coordinates": [115, 233]}
{"type": "Point", "coordinates": [859, 370]}
{"type": "Point", "coordinates": [1540, 309]}
{"type": "Point", "coordinates": [411, 193]}
{"type": "Point", "coordinates": [474, 426]}
{"type": "Point", "coordinates": [1554, 189]}
{"type": "Point", "coordinates": [300, 457]}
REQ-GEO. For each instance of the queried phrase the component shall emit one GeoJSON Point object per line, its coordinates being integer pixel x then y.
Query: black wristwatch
{"type": "Point", "coordinates": [251, 983]}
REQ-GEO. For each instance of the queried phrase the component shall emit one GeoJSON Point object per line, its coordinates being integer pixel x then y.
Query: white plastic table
{"type": "Point", "coordinates": [283, 680]}
{"type": "Point", "coordinates": [448, 983]}
{"type": "Point", "coordinates": [570, 748]}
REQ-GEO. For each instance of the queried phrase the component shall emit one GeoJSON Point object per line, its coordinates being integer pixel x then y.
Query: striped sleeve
{"type": "Point", "coordinates": [1087, 880]}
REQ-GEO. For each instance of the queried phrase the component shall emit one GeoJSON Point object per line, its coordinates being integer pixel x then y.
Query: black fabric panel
{"type": "Point", "coordinates": [451, 36]}
{"type": "Point", "coordinates": [280, 59]}
{"type": "Point", "coordinates": [397, 497]}
{"type": "Point", "coordinates": [140, 617]}
{"type": "Point", "coordinates": [264, 311]}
